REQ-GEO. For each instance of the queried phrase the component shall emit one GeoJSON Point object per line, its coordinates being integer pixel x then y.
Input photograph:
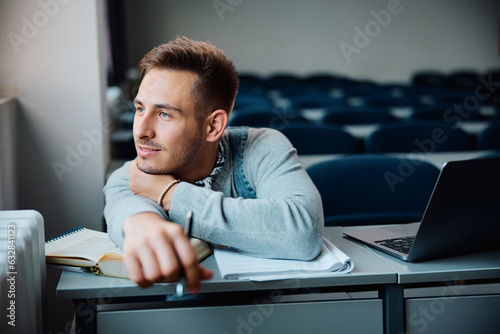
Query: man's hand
{"type": "Point", "coordinates": [156, 251]}
{"type": "Point", "coordinates": [150, 185]}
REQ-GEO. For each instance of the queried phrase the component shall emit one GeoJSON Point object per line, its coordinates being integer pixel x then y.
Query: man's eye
{"type": "Point", "coordinates": [139, 110]}
{"type": "Point", "coordinates": [164, 115]}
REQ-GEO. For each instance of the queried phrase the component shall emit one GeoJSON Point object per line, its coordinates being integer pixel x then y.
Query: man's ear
{"type": "Point", "coordinates": [215, 125]}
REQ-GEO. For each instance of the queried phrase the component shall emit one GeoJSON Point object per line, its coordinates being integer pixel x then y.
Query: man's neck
{"type": "Point", "coordinates": [204, 165]}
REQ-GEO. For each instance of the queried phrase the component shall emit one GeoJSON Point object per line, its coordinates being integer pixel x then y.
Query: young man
{"type": "Point", "coordinates": [245, 186]}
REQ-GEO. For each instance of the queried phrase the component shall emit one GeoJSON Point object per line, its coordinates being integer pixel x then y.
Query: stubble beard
{"type": "Point", "coordinates": [177, 161]}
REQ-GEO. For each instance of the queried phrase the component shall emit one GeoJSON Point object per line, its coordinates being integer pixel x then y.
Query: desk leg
{"type": "Point", "coordinates": [394, 315]}
{"type": "Point", "coordinates": [85, 316]}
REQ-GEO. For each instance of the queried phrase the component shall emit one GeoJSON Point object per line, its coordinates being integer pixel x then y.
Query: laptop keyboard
{"type": "Point", "coordinates": [401, 245]}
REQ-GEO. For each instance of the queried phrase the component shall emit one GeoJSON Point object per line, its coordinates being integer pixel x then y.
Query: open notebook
{"type": "Point", "coordinates": [86, 248]}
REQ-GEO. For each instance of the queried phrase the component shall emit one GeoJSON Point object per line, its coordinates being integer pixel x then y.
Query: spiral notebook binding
{"type": "Point", "coordinates": [65, 234]}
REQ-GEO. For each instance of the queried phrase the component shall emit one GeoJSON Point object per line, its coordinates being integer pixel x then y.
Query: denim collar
{"type": "Point", "coordinates": [209, 179]}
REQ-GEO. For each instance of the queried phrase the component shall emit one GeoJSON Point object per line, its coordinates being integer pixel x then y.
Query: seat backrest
{"type": "Point", "coordinates": [429, 78]}
{"type": "Point", "coordinates": [373, 189]}
{"type": "Point", "coordinates": [445, 113]}
{"type": "Point", "coordinates": [251, 100]}
{"type": "Point", "coordinates": [314, 100]}
{"type": "Point", "coordinates": [423, 137]}
{"type": "Point", "coordinates": [271, 119]}
{"type": "Point", "coordinates": [357, 117]}
{"type": "Point", "coordinates": [386, 99]}
{"type": "Point", "coordinates": [320, 139]}
{"type": "Point", "coordinates": [489, 138]}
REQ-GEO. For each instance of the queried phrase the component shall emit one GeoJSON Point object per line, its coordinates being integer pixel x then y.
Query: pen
{"type": "Point", "coordinates": [179, 289]}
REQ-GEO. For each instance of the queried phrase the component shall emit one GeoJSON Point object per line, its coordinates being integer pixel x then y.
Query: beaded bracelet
{"type": "Point", "coordinates": [167, 188]}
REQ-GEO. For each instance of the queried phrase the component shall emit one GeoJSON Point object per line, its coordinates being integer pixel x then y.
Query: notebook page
{"type": "Point", "coordinates": [85, 243]}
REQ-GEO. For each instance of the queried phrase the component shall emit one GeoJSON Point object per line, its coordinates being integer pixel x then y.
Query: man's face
{"type": "Point", "coordinates": [168, 138]}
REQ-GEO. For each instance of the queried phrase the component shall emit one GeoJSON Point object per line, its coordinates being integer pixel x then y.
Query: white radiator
{"type": "Point", "coordinates": [22, 271]}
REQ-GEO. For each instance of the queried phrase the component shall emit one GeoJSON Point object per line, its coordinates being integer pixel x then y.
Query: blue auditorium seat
{"type": "Point", "coordinates": [320, 139]}
{"type": "Point", "coordinates": [373, 189]}
{"type": "Point", "coordinates": [425, 137]}
{"type": "Point", "coordinates": [489, 138]}
{"type": "Point", "coordinates": [357, 116]}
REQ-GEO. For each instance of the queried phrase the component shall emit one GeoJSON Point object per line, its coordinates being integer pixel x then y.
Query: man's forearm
{"type": "Point", "coordinates": [155, 187]}
{"type": "Point", "coordinates": [121, 203]}
{"type": "Point", "coordinates": [278, 227]}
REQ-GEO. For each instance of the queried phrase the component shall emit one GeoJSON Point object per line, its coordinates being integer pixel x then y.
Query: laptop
{"type": "Point", "coordinates": [461, 217]}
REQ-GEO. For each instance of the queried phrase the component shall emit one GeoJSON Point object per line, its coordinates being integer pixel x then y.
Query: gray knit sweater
{"type": "Point", "coordinates": [282, 219]}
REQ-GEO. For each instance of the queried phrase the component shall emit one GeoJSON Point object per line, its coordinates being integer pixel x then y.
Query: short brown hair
{"type": "Point", "coordinates": [217, 82]}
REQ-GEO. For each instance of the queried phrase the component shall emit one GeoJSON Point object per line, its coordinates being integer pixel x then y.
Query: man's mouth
{"type": "Point", "coordinates": [146, 151]}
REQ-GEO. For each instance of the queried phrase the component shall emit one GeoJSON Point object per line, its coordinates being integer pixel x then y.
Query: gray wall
{"type": "Point", "coordinates": [57, 75]}
{"type": "Point", "coordinates": [8, 184]}
{"type": "Point", "coordinates": [305, 36]}
{"type": "Point", "coordinates": [52, 61]}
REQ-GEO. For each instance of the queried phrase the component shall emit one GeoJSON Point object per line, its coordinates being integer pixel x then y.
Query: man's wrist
{"type": "Point", "coordinates": [167, 198]}
{"type": "Point", "coordinates": [165, 190]}
{"type": "Point", "coordinates": [143, 216]}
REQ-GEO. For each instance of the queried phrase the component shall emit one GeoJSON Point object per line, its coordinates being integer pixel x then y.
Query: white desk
{"type": "Point", "coordinates": [105, 304]}
{"type": "Point", "coordinates": [346, 302]}
{"type": "Point", "coordinates": [458, 294]}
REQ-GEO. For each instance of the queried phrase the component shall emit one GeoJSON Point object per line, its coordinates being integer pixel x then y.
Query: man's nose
{"type": "Point", "coordinates": [144, 126]}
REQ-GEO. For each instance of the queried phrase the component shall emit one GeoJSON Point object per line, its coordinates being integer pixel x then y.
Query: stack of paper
{"type": "Point", "coordinates": [331, 261]}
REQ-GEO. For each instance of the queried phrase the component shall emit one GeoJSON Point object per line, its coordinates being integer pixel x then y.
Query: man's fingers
{"type": "Point", "coordinates": [133, 166]}
{"type": "Point", "coordinates": [188, 260]}
{"type": "Point", "coordinates": [150, 264]}
{"type": "Point", "coordinates": [158, 251]}
{"type": "Point", "coordinates": [132, 170]}
{"type": "Point", "coordinates": [166, 254]}
{"type": "Point", "coordinates": [205, 274]}
{"type": "Point", "coordinates": [134, 270]}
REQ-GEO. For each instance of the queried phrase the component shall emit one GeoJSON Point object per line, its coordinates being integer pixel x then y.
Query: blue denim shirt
{"type": "Point", "coordinates": [238, 140]}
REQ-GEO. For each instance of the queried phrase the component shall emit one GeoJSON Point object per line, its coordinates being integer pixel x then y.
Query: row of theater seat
{"type": "Point", "coordinates": [315, 112]}
{"type": "Point", "coordinates": [396, 137]}
{"type": "Point", "coordinates": [391, 136]}
{"type": "Point", "coordinates": [325, 101]}
{"type": "Point", "coordinates": [465, 95]}
{"type": "Point", "coordinates": [429, 114]}
{"type": "Point", "coordinates": [328, 91]}
{"type": "Point", "coordinates": [268, 116]}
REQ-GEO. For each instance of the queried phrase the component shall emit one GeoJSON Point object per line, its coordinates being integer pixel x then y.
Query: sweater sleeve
{"type": "Point", "coordinates": [284, 221]}
{"type": "Point", "coordinates": [122, 203]}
